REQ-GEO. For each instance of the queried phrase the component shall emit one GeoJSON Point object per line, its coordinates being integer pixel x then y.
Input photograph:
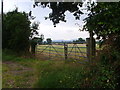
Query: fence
{"type": "Point", "coordinates": [65, 51]}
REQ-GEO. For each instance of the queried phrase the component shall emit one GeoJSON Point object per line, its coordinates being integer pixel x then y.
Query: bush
{"type": "Point", "coordinates": [17, 31]}
{"type": "Point", "coordinates": [104, 78]}
{"type": "Point", "coordinates": [108, 75]}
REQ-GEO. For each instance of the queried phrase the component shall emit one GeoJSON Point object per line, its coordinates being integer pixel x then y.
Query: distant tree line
{"type": "Point", "coordinates": [49, 41]}
{"type": "Point", "coordinates": [40, 40]}
{"type": "Point", "coordinates": [79, 40]}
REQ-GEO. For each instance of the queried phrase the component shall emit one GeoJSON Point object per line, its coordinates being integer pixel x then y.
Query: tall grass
{"type": "Point", "coordinates": [60, 75]}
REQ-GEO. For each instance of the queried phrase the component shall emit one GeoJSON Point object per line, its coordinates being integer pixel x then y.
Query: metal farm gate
{"type": "Point", "coordinates": [64, 51]}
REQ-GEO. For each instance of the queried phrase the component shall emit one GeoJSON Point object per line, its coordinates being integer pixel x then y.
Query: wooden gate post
{"type": "Point", "coordinates": [65, 51]}
{"type": "Point", "coordinates": [92, 47]}
{"type": "Point", "coordinates": [33, 47]}
{"type": "Point", "coordinates": [88, 48]}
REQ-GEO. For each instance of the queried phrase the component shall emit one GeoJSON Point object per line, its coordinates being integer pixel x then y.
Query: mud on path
{"type": "Point", "coordinates": [17, 75]}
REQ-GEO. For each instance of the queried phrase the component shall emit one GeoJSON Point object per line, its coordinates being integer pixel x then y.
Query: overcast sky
{"type": "Point", "coordinates": [63, 31]}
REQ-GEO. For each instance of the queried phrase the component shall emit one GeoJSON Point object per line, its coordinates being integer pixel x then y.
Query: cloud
{"type": "Point", "coordinates": [61, 32]}
{"type": "Point", "coordinates": [65, 31]}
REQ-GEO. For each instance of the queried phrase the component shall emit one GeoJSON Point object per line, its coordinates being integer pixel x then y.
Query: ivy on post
{"type": "Point", "coordinates": [66, 51]}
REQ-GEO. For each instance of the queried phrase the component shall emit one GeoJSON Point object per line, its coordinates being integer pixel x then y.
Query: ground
{"type": "Point", "coordinates": [17, 75]}
{"type": "Point", "coordinates": [36, 73]}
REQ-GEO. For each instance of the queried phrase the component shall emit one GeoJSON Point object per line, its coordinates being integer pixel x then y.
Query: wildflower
{"type": "Point", "coordinates": [108, 80]}
{"type": "Point", "coordinates": [60, 81]}
{"type": "Point", "coordinates": [68, 77]}
{"type": "Point", "coordinates": [86, 79]}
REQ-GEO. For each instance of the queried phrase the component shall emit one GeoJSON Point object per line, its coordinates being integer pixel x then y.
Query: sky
{"type": "Point", "coordinates": [62, 31]}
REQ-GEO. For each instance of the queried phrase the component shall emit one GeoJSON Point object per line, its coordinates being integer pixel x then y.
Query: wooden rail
{"type": "Point", "coordinates": [65, 51]}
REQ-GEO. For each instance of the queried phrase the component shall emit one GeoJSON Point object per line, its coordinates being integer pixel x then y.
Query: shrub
{"type": "Point", "coordinates": [108, 75]}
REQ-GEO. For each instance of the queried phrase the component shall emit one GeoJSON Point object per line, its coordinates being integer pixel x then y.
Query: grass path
{"type": "Point", "coordinates": [17, 75]}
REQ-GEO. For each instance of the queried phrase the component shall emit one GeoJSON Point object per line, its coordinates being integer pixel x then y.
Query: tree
{"type": "Point", "coordinates": [104, 20]}
{"type": "Point", "coordinates": [98, 17]}
{"type": "Point", "coordinates": [17, 31]}
{"type": "Point", "coordinates": [80, 40]}
{"type": "Point", "coordinates": [49, 41]}
{"type": "Point", "coordinates": [59, 9]}
{"type": "Point", "coordinates": [40, 41]}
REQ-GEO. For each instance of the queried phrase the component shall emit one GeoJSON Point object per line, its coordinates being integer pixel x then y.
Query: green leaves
{"type": "Point", "coordinates": [17, 30]}
{"type": "Point", "coordinates": [100, 23]}
{"type": "Point", "coordinates": [104, 19]}
{"type": "Point", "coordinates": [59, 9]}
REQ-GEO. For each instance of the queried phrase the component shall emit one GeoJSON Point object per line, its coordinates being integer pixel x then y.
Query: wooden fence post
{"type": "Point", "coordinates": [88, 48]}
{"type": "Point", "coordinates": [66, 51]}
{"type": "Point", "coordinates": [33, 47]}
{"type": "Point", "coordinates": [92, 49]}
